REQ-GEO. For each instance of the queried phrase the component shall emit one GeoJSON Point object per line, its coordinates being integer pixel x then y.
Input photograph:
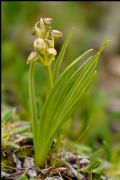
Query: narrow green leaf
{"type": "Point", "coordinates": [59, 121]}
{"type": "Point", "coordinates": [33, 107]}
{"type": "Point", "coordinates": [61, 55]}
{"type": "Point", "coordinates": [73, 85]}
{"type": "Point", "coordinates": [69, 104]}
{"type": "Point", "coordinates": [63, 98]}
{"type": "Point", "coordinates": [62, 77]}
{"type": "Point", "coordinates": [20, 129]}
{"type": "Point", "coordinates": [7, 115]}
{"type": "Point", "coordinates": [103, 46]}
{"type": "Point", "coordinates": [10, 144]}
{"type": "Point", "coordinates": [93, 165]}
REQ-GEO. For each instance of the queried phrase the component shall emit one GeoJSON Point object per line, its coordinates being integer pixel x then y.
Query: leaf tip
{"type": "Point", "coordinates": [91, 49]}
{"type": "Point", "coordinates": [104, 45]}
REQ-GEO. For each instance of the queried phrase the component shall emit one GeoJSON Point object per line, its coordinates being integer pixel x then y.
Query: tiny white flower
{"type": "Point", "coordinates": [39, 44]}
{"type": "Point", "coordinates": [34, 56]}
{"type": "Point", "coordinates": [56, 34]}
{"type": "Point", "coordinates": [47, 20]}
{"type": "Point", "coordinates": [52, 51]}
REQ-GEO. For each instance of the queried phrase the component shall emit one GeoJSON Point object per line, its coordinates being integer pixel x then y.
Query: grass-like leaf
{"type": "Point", "coordinates": [61, 55]}
{"type": "Point", "coordinates": [62, 100]}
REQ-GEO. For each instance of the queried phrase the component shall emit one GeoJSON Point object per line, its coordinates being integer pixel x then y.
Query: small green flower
{"type": "Point", "coordinates": [52, 51]}
{"type": "Point", "coordinates": [44, 43]}
{"type": "Point", "coordinates": [47, 20]}
{"type": "Point", "coordinates": [36, 30]}
{"type": "Point", "coordinates": [56, 34]}
{"type": "Point", "coordinates": [34, 56]}
{"type": "Point", "coordinates": [39, 44]}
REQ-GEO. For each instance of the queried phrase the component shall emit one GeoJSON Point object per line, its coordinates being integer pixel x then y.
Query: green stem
{"type": "Point", "coordinates": [33, 108]}
{"type": "Point", "coordinates": [50, 77]}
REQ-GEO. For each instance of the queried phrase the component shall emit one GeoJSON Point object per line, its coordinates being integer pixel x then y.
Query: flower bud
{"type": "Point", "coordinates": [47, 20]}
{"type": "Point", "coordinates": [42, 25]}
{"type": "Point", "coordinates": [34, 56]}
{"type": "Point", "coordinates": [52, 51]}
{"type": "Point", "coordinates": [39, 44]}
{"type": "Point", "coordinates": [56, 34]}
{"type": "Point", "coordinates": [36, 30]}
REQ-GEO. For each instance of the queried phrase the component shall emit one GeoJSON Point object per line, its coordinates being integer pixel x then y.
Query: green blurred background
{"type": "Point", "coordinates": [94, 22]}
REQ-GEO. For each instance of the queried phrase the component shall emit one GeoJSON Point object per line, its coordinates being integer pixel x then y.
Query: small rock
{"type": "Point", "coordinates": [84, 161]}
{"type": "Point", "coordinates": [28, 163]}
{"type": "Point", "coordinates": [16, 161]}
{"type": "Point", "coordinates": [32, 173]}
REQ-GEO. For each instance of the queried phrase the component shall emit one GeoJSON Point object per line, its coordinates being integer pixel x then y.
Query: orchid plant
{"type": "Point", "coordinates": [65, 89]}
